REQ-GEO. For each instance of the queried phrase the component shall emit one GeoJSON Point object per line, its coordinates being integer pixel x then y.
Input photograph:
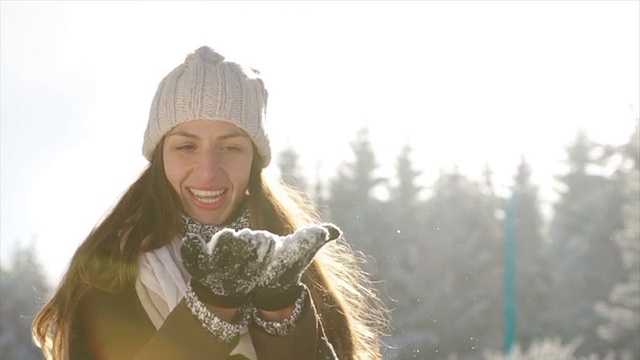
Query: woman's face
{"type": "Point", "coordinates": [208, 164]}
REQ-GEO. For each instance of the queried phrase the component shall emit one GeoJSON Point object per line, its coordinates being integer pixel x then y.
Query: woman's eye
{"type": "Point", "coordinates": [232, 148]}
{"type": "Point", "coordinates": [185, 147]}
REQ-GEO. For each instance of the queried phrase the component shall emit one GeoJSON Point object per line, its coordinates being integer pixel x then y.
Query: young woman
{"type": "Point", "coordinates": [202, 258]}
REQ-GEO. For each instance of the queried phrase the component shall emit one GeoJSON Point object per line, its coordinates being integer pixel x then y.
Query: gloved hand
{"type": "Point", "coordinates": [280, 284]}
{"type": "Point", "coordinates": [225, 270]}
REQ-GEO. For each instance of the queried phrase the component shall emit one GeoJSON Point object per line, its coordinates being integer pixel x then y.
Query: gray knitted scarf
{"type": "Point", "coordinates": [191, 226]}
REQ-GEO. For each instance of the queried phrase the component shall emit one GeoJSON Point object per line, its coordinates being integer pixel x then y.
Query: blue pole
{"type": "Point", "coordinates": [509, 296]}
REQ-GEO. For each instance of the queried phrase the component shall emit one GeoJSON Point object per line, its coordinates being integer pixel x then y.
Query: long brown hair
{"type": "Point", "coordinates": [148, 216]}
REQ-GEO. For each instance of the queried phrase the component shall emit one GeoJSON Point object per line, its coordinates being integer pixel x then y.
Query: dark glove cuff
{"type": "Point", "coordinates": [271, 301]}
{"type": "Point", "coordinates": [224, 301]}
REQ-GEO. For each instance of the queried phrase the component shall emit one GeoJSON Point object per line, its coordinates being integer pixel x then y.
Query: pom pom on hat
{"type": "Point", "coordinates": [206, 87]}
{"type": "Point", "coordinates": [205, 54]}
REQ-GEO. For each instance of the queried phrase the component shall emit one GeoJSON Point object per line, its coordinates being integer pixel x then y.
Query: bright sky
{"type": "Point", "coordinates": [467, 83]}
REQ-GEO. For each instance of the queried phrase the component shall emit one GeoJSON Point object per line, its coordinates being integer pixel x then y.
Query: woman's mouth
{"type": "Point", "coordinates": [206, 196]}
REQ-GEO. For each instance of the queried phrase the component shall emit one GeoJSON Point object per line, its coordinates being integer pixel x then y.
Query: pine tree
{"type": "Point", "coordinates": [407, 192]}
{"type": "Point", "coordinates": [402, 218]}
{"type": "Point", "coordinates": [622, 310]}
{"type": "Point", "coordinates": [319, 196]}
{"type": "Point", "coordinates": [291, 172]}
{"type": "Point", "coordinates": [402, 250]}
{"type": "Point", "coordinates": [532, 277]}
{"type": "Point", "coordinates": [23, 289]}
{"type": "Point", "coordinates": [460, 277]}
{"type": "Point", "coordinates": [351, 195]}
{"type": "Point", "coordinates": [586, 261]}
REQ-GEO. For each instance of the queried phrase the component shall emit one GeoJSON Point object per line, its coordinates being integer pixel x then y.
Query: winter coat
{"type": "Point", "coordinates": [116, 327]}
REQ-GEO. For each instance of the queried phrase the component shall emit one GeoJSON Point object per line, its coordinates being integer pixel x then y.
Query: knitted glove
{"type": "Point", "coordinates": [280, 284]}
{"type": "Point", "coordinates": [225, 270]}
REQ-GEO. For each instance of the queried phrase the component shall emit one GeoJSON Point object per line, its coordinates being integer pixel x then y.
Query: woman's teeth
{"type": "Point", "coordinates": [207, 196]}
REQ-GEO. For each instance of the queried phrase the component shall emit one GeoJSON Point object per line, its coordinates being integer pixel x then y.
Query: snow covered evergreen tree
{"type": "Point", "coordinates": [291, 172]}
{"type": "Point", "coordinates": [351, 196]}
{"type": "Point", "coordinates": [586, 261]}
{"type": "Point", "coordinates": [406, 193]}
{"type": "Point", "coordinates": [460, 273]}
{"type": "Point", "coordinates": [23, 289]}
{"type": "Point", "coordinates": [319, 195]}
{"type": "Point", "coordinates": [533, 278]}
{"type": "Point", "coordinates": [622, 310]}
{"type": "Point", "coordinates": [404, 246]}
{"type": "Point", "coordinates": [401, 221]}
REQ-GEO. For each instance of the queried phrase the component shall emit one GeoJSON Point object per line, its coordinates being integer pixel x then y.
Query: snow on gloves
{"type": "Point", "coordinates": [236, 266]}
{"type": "Point", "coordinates": [280, 284]}
{"type": "Point", "coordinates": [225, 270]}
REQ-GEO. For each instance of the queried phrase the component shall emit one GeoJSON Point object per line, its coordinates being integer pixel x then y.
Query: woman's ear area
{"type": "Point", "coordinates": [158, 155]}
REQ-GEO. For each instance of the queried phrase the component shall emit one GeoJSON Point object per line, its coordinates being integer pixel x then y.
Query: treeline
{"type": "Point", "coordinates": [438, 253]}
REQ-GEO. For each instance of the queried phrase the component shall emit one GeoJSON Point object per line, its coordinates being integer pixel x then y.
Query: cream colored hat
{"type": "Point", "coordinates": [206, 87]}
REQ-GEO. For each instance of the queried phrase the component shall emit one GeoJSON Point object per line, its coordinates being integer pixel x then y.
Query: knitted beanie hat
{"type": "Point", "coordinates": [206, 87]}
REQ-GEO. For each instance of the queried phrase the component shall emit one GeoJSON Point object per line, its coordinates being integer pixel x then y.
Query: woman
{"type": "Point", "coordinates": [202, 257]}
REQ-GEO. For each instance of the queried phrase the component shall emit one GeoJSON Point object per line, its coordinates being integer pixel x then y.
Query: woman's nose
{"type": "Point", "coordinates": [209, 164]}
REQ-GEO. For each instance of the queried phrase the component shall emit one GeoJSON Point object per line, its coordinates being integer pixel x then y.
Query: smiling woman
{"type": "Point", "coordinates": [203, 258]}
